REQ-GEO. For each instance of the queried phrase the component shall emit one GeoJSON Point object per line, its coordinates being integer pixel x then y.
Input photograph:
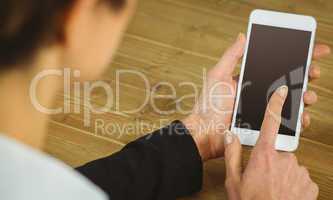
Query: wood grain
{"type": "Point", "coordinates": [174, 40]}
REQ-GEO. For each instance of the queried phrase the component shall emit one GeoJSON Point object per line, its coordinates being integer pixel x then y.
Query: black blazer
{"type": "Point", "coordinates": [164, 165]}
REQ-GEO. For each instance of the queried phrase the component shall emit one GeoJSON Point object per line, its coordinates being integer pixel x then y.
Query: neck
{"type": "Point", "coordinates": [19, 119]}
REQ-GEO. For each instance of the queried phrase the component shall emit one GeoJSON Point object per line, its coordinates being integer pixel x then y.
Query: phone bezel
{"type": "Point", "coordinates": [283, 20]}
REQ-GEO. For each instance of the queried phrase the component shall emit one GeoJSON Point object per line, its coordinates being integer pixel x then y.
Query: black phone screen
{"type": "Point", "coordinates": [275, 57]}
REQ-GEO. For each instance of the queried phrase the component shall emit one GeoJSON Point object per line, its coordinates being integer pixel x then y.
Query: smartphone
{"type": "Point", "coordinates": [278, 52]}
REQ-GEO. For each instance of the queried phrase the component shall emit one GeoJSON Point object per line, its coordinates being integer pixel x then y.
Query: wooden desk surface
{"type": "Point", "coordinates": [174, 40]}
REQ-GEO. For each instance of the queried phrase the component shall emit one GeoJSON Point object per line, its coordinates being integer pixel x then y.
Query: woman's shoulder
{"type": "Point", "coordinates": [26, 173]}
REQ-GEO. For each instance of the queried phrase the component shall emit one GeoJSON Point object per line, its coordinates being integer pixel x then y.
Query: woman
{"type": "Point", "coordinates": [36, 35]}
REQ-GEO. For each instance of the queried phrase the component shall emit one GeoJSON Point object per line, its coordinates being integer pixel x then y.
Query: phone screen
{"type": "Point", "coordinates": [275, 57]}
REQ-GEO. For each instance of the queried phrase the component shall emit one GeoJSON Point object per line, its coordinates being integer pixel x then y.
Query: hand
{"type": "Point", "coordinates": [310, 97]}
{"type": "Point", "coordinates": [212, 113]}
{"type": "Point", "coordinates": [269, 175]}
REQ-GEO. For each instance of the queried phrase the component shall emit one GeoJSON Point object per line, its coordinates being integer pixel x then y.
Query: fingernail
{"type": "Point", "coordinates": [228, 137]}
{"type": "Point", "coordinates": [283, 91]}
{"type": "Point", "coordinates": [240, 36]}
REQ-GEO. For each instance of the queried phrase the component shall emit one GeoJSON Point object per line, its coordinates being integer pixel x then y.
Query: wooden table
{"type": "Point", "coordinates": [174, 40]}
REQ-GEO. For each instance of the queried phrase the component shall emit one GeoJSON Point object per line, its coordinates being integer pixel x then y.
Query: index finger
{"type": "Point", "coordinates": [272, 120]}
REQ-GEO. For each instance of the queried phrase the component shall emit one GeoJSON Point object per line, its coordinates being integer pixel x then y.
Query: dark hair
{"type": "Point", "coordinates": [28, 25]}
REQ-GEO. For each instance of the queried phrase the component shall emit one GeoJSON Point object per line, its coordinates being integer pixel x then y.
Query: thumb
{"type": "Point", "coordinates": [227, 64]}
{"type": "Point", "coordinates": [233, 162]}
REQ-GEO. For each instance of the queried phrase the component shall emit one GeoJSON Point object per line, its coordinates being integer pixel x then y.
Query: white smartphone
{"type": "Point", "coordinates": [278, 52]}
